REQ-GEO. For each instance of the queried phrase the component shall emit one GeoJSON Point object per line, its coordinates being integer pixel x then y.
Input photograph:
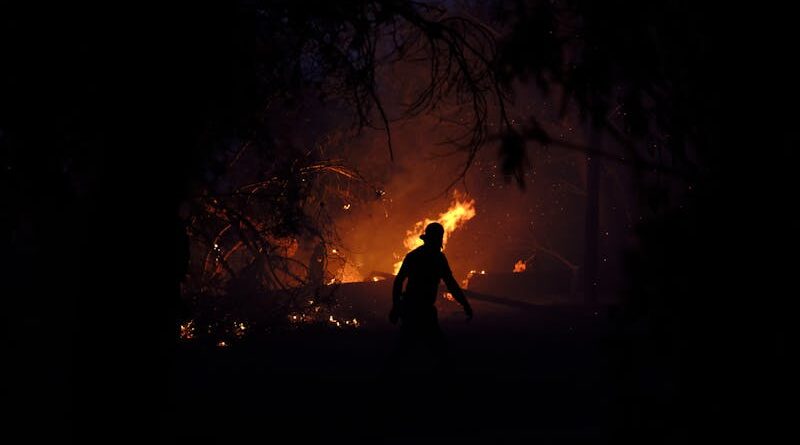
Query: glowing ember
{"type": "Point", "coordinates": [519, 266]}
{"type": "Point", "coordinates": [239, 329]}
{"type": "Point", "coordinates": [300, 319]}
{"type": "Point", "coordinates": [334, 321]}
{"type": "Point", "coordinates": [222, 344]}
{"type": "Point", "coordinates": [448, 296]}
{"type": "Point", "coordinates": [187, 330]}
{"type": "Point", "coordinates": [377, 278]}
{"type": "Point", "coordinates": [461, 210]}
{"type": "Point", "coordinates": [465, 281]}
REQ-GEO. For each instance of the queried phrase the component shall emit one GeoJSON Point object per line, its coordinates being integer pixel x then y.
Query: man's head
{"type": "Point", "coordinates": [434, 233]}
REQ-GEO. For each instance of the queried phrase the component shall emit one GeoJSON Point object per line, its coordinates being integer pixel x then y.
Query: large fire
{"type": "Point", "coordinates": [461, 210]}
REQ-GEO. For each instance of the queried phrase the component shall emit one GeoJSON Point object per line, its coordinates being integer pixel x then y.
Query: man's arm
{"type": "Point", "coordinates": [454, 288]}
{"type": "Point", "coordinates": [397, 291]}
{"type": "Point", "coordinates": [397, 286]}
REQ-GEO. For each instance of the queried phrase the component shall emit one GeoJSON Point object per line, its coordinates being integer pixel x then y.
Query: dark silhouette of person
{"type": "Point", "coordinates": [415, 308]}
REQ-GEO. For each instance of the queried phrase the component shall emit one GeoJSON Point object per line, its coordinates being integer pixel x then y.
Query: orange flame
{"type": "Point", "coordinates": [519, 266]}
{"type": "Point", "coordinates": [461, 210]}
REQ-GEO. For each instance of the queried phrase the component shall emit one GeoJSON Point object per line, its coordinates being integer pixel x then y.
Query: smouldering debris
{"type": "Point", "coordinates": [187, 330]}
{"type": "Point", "coordinates": [239, 329]}
{"type": "Point", "coordinates": [465, 281]}
{"type": "Point", "coordinates": [298, 319]}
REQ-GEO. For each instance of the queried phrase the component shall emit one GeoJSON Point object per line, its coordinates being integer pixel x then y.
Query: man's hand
{"type": "Point", "coordinates": [468, 311]}
{"type": "Point", "coordinates": [394, 315]}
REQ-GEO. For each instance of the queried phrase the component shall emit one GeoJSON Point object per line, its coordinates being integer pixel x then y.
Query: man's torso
{"type": "Point", "coordinates": [425, 268]}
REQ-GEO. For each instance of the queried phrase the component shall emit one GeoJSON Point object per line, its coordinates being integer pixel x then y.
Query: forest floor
{"type": "Point", "coordinates": [514, 374]}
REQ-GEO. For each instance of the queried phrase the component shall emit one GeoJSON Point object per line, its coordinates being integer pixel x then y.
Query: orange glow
{"type": "Point", "coordinates": [461, 210]}
{"type": "Point", "coordinates": [346, 270]}
{"type": "Point", "coordinates": [519, 266]}
{"type": "Point", "coordinates": [349, 273]}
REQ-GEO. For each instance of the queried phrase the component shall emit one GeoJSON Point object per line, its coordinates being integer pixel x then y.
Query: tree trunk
{"type": "Point", "coordinates": [592, 224]}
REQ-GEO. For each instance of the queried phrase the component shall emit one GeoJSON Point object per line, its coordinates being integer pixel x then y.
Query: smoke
{"type": "Point", "coordinates": [372, 219]}
{"type": "Point", "coordinates": [543, 222]}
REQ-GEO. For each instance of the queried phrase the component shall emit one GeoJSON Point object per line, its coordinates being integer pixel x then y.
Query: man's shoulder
{"type": "Point", "coordinates": [423, 252]}
{"type": "Point", "coordinates": [418, 250]}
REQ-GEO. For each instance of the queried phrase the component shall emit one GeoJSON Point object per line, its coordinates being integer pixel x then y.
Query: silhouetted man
{"type": "Point", "coordinates": [424, 267]}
